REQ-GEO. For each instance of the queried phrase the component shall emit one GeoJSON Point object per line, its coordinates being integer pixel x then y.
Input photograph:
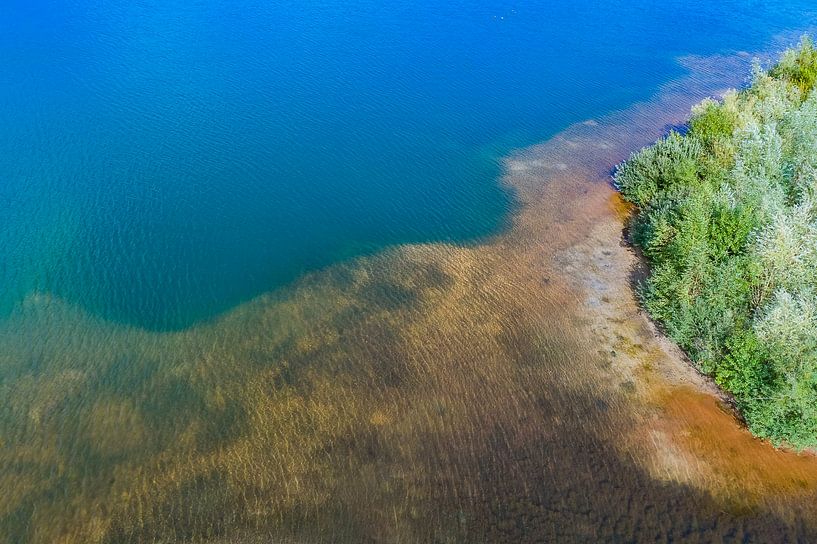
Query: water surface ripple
{"type": "Point", "coordinates": [164, 161]}
{"type": "Point", "coordinates": [501, 391]}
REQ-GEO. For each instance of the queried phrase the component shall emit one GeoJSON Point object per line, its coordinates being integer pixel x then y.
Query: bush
{"type": "Point", "coordinates": [670, 163]}
{"type": "Point", "coordinates": [711, 122]}
{"type": "Point", "coordinates": [729, 229]}
{"type": "Point", "coordinates": [798, 66]}
{"type": "Point", "coordinates": [745, 369]}
{"type": "Point", "coordinates": [727, 223]}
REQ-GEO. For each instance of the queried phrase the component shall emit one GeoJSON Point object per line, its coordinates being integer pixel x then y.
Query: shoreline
{"type": "Point", "coordinates": [760, 363]}
{"type": "Point", "coordinates": [666, 380]}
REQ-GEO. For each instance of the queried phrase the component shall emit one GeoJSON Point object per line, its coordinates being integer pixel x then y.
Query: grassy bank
{"type": "Point", "coordinates": [727, 219]}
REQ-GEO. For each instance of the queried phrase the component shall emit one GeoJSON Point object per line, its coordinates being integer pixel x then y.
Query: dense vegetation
{"type": "Point", "coordinates": [727, 219]}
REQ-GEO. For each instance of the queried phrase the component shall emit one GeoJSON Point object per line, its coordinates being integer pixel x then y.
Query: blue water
{"type": "Point", "coordinates": [162, 161]}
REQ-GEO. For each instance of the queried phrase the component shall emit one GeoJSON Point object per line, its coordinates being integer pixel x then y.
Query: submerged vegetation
{"type": "Point", "coordinates": [728, 222]}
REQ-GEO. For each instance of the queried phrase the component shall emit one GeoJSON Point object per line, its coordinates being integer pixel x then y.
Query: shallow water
{"type": "Point", "coordinates": [507, 391]}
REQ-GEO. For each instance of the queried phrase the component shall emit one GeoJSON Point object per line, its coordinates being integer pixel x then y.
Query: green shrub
{"type": "Point", "coordinates": [729, 230]}
{"type": "Point", "coordinates": [670, 163]}
{"type": "Point", "coordinates": [798, 66]}
{"type": "Point", "coordinates": [727, 223]}
{"type": "Point", "coordinates": [711, 122]}
{"type": "Point", "coordinates": [745, 370]}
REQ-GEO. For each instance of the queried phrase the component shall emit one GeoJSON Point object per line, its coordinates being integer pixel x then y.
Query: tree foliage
{"type": "Point", "coordinates": [728, 221]}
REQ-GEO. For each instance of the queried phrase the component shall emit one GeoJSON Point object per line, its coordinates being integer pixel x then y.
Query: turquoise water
{"type": "Point", "coordinates": [163, 161]}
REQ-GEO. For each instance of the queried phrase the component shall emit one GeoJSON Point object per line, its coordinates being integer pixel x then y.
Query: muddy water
{"type": "Point", "coordinates": [506, 392]}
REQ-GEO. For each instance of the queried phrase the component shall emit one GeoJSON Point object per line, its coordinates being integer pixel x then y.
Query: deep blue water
{"type": "Point", "coordinates": [162, 161]}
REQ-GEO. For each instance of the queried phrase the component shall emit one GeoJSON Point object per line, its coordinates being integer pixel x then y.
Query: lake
{"type": "Point", "coordinates": [301, 271]}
